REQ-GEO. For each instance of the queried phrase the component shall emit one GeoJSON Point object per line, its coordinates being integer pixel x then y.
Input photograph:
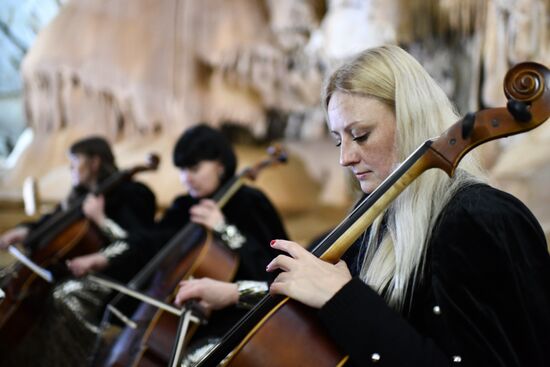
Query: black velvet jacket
{"type": "Point", "coordinates": [132, 205]}
{"type": "Point", "coordinates": [483, 300]}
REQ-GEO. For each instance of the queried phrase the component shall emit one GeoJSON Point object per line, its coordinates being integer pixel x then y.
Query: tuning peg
{"type": "Point", "coordinates": [468, 124]}
{"type": "Point", "coordinates": [520, 110]}
{"type": "Point", "coordinates": [153, 160]}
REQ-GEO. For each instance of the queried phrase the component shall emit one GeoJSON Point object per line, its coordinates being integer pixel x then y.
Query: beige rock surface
{"type": "Point", "coordinates": [140, 71]}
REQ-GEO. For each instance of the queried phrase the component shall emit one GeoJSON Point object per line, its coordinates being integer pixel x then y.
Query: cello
{"type": "Point", "coordinates": [191, 252]}
{"type": "Point", "coordinates": [269, 333]}
{"type": "Point", "coordinates": [64, 235]}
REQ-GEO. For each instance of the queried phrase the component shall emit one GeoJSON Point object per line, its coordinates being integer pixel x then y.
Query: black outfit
{"type": "Point", "coordinates": [66, 332]}
{"type": "Point", "coordinates": [256, 219]}
{"type": "Point", "coordinates": [483, 300]}
{"type": "Point", "coordinates": [132, 205]}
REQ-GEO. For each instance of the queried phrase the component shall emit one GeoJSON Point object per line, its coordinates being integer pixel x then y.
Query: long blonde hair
{"type": "Point", "coordinates": [397, 244]}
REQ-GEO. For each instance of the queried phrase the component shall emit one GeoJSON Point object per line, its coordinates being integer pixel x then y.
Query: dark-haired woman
{"type": "Point", "coordinates": [75, 304]}
{"type": "Point", "coordinates": [247, 224]}
{"type": "Point", "coordinates": [92, 161]}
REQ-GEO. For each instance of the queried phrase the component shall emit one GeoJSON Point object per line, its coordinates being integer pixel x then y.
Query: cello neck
{"type": "Point", "coordinates": [337, 242]}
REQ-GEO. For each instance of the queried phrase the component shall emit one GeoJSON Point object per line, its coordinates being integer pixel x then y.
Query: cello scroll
{"type": "Point", "coordinates": [527, 87]}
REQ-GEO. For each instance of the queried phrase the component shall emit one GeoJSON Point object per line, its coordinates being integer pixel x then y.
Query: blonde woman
{"type": "Point", "coordinates": [454, 271]}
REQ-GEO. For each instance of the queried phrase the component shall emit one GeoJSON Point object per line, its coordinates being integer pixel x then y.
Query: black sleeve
{"type": "Point", "coordinates": [259, 222]}
{"type": "Point", "coordinates": [132, 206]}
{"type": "Point", "coordinates": [177, 214]}
{"type": "Point", "coordinates": [364, 327]}
{"type": "Point", "coordinates": [490, 279]}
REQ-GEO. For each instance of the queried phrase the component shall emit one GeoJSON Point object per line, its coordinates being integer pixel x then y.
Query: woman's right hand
{"type": "Point", "coordinates": [210, 293]}
{"type": "Point", "coordinates": [82, 265]}
{"type": "Point", "coordinates": [305, 277]}
{"type": "Point", "coordinates": [13, 236]}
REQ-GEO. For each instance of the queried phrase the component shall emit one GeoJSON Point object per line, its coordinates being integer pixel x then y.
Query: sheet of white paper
{"type": "Point", "coordinates": [43, 273]}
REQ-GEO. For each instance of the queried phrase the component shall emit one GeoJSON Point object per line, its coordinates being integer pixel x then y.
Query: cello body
{"type": "Point", "coordinates": [26, 291]}
{"type": "Point", "coordinates": [294, 323]}
{"type": "Point", "coordinates": [152, 342]}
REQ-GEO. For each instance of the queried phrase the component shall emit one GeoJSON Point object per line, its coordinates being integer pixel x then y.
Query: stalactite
{"type": "Point", "coordinates": [147, 69]}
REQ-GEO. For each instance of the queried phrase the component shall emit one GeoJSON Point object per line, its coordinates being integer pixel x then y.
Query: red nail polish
{"type": "Point", "coordinates": [272, 242]}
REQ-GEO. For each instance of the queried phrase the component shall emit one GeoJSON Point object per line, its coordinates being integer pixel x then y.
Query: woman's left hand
{"type": "Point", "coordinates": [94, 208]}
{"type": "Point", "coordinates": [304, 277]}
{"type": "Point", "coordinates": [207, 213]}
{"type": "Point", "coordinates": [211, 294]}
{"type": "Point", "coordinates": [86, 264]}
